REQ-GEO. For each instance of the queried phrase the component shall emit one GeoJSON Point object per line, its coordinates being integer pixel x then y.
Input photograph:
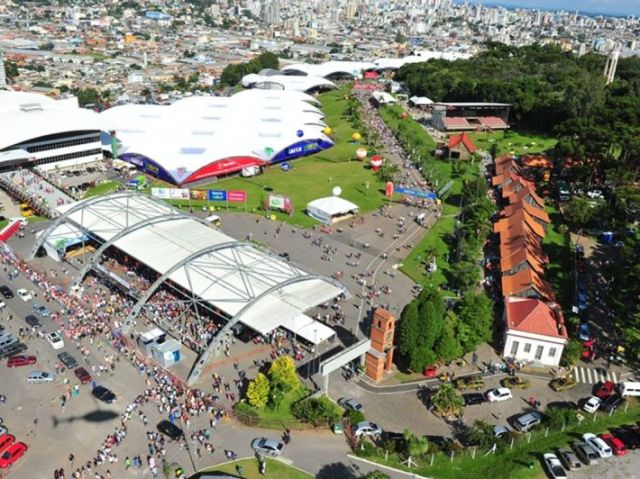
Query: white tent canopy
{"type": "Point", "coordinates": [309, 329]}
{"type": "Point", "coordinates": [327, 209]}
{"type": "Point", "coordinates": [420, 100]}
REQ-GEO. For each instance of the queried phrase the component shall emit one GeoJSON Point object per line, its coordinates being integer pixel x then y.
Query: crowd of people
{"type": "Point", "coordinates": [38, 191]}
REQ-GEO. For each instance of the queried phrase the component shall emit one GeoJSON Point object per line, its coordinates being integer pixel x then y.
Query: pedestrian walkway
{"type": "Point", "coordinates": [593, 375]}
{"type": "Point", "coordinates": [41, 195]}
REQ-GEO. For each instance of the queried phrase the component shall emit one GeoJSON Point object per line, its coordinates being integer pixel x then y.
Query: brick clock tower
{"type": "Point", "coordinates": [379, 359]}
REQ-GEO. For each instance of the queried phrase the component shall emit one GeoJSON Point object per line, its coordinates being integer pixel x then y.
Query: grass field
{"type": "Point", "coordinates": [559, 271]}
{"type": "Point", "coordinates": [274, 470]}
{"type": "Point", "coordinates": [102, 189]}
{"type": "Point", "coordinates": [310, 178]}
{"type": "Point", "coordinates": [514, 464]}
{"type": "Point", "coordinates": [517, 143]}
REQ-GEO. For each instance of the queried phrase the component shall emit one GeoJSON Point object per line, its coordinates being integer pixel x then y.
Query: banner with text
{"type": "Point", "coordinates": [417, 193]}
{"type": "Point", "coordinates": [237, 195]}
{"type": "Point", "coordinates": [217, 195]}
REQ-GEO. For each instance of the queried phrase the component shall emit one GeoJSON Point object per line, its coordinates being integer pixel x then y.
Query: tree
{"type": "Point", "coordinates": [415, 446]}
{"type": "Point", "coordinates": [447, 400]}
{"type": "Point", "coordinates": [316, 410]}
{"type": "Point", "coordinates": [258, 391]}
{"type": "Point", "coordinates": [579, 212]}
{"type": "Point", "coordinates": [475, 320]}
{"type": "Point", "coordinates": [11, 69]}
{"type": "Point", "coordinates": [448, 346]}
{"type": "Point", "coordinates": [571, 353]}
{"type": "Point", "coordinates": [283, 373]}
{"type": "Point", "coordinates": [400, 38]}
{"type": "Point", "coordinates": [88, 96]}
{"type": "Point", "coordinates": [377, 475]}
{"type": "Point", "coordinates": [387, 171]}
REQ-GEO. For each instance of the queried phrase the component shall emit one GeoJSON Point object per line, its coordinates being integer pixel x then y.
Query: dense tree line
{"type": "Point", "coordinates": [233, 73]}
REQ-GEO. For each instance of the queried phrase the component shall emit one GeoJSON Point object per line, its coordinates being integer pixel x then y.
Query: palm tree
{"type": "Point", "coordinates": [447, 401]}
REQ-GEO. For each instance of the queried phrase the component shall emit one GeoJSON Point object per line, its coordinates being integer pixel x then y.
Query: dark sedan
{"type": "Point", "coordinates": [169, 429]}
{"type": "Point", "coordinates": [471, 399]}
{"type": "Point", "coordinates": [68, 360]}
{"type": "Point", "coordinates": [32, 321]}
{"type": "Point", "coordinates": [103, 394]}
{"type": "Point", "coordinates": [628, 436]}
{"type": "Point", "coordinates": [6, 292]}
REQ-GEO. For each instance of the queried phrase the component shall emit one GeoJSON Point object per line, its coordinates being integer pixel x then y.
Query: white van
{"type": "Point", "coordinates": [629, 389]}
{"type": "Point", "coordinates": [421, 218]}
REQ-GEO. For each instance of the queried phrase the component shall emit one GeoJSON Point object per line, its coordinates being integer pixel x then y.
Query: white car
{"type": "Point", "coordinates": [24, 295]}
{"type": "Point", "coordinates": [554, 466]}
{"type": "Point", "coordinates": [598, 444]}
{"type": "Point", "coordinates": [367, 428]}
{"type": "Point", "coordinates": [2, 304]}
{"type": "Point", "coordinates": [55, 340]}
{"type": "Point", "coordinates": [592, 404]}
{"type": "Point", "coordinates": [40, 377]}
{"type": "Point", "coordinates": [499, 394]}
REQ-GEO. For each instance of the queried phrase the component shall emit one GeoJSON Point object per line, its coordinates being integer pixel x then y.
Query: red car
{"type": "Point", "coordinates": [83, 375]}
{"type": "Point", "coordinates": [616, 445]}
{"type": "Point", "coordinates": [606, 390]}
{"type": "Point", "coordinates": [15, 361]}
{"type": "Point", "coordinates": [6, 440]}
{"type": "Point", "coordinates": [12, 454]}
{"type": "Point", "coordinates": [430, 372]}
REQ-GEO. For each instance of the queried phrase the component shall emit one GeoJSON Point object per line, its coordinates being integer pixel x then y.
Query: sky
{"type": "Point", "coordinates": [613, 7]}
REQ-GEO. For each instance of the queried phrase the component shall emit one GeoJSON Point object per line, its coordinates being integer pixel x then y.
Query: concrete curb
{"type": "Point", "coordinates": [399, 471]}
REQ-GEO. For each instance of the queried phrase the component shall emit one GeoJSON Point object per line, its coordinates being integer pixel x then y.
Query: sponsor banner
{"type": "Point", "coordinates": [417, 193]}
{"type": "Point", "coordinates": [179, 193]}
{"type": "Point", "coordinates": [237, 195]}
{"type": "Point", "coordinates": [276, 202]}
{"type": "Point", "coordinates": [198, 194]}
{"type": "Point", "coordinates": [162, 193]}
{"type": "Point", "coordinates": [217, 195]}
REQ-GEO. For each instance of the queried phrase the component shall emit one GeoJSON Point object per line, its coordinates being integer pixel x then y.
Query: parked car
{"type": "Point", "coordinates": [569, 459]}
{"type": "Point", "coordinates": [103, 394]}
{"type": "Point", "coordinates": [628, 437]}
{"type": "Point", "coordinates": [516, 382]}
{"type": "Point", "coordinates": [273, 447]}
{"type": "Point", "coordinates": [55, 340]}
{"type": "Point", "coordinates": [430, 372]}
{"type": "Point", "coordinates": [68, 360]}
{"type": "Point", "coordinates": [32, 321]}
{"type": "Point", "coordinates": [17, 361]}
{"type": "Point", "coordinates": [471, 399]}
{"type": "Point", "coordinates": [586, 453]}
{"type": "Point", "coordinates": [554, 466]}
{"type": "Point", "coordinates": [170, 429]}
{"type": "Point", "coordinates": [499, 394]}
{"type": "Point", "coordinates": [592, 404]}
{"type": "Point", "coordinates": [11, 349]}
{"type": "Point", "coordinates": [500, 431]}
{"type": "Point", "coordinates": [6, 292]}
{"type": "Point", "coordinates": [612, 403]}
{"type": "Point", "coordinates": [352, 404]}
{"type": "Point", "coordinates": [604, 390]}
{"type": "Point", "coordinates": [562, 383]}
{"type": "Point", "coordinates": [6, 440]}
{"type": "Point", "coordinates": [525, 422]}
{"type": "Point", "coordinates": [40, 310]}
{"type": "Point", "coordinates": [24, 295]}
{"type": "Point", "coordinates": [83, 375]}
{"type": "Point", "coordinates": [597, 444]}
{"type": "Point", "coordinates": [617, 446]}
{"type": "Point", "coordinates": [10, 455]}
{"type": "Point", "coordinates": [367, 428]}
{"type": "Point", "coordinates": [469, 382]}
{"type": "Point", "coordinates": [36, 377]}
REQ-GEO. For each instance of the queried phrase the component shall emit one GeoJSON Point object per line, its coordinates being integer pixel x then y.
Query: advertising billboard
{"type": "Point", "coordinates": [198, 194]}
{"type": "Point", "coordinates": [217, 195]}
{"type": "Point", "coordinates": [237, 195]}
{"type": "Point", "coordinates": [162, 193]}
{"type": "Point", "coordinates": [179, 193]}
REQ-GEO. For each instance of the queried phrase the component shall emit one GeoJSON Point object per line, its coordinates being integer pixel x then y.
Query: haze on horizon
{"type": "Point", "coordinates": [612, 7]}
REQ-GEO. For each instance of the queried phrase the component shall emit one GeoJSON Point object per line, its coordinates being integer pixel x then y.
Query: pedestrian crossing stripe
{"type": "Point", "coordinates": [593, 376]}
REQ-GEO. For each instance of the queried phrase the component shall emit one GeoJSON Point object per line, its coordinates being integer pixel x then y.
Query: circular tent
{"type": "Point", "coordinates": [331, 209]}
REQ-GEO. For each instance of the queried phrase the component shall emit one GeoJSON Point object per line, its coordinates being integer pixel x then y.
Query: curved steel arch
{"type": "Point", "coordinates": [180, 264]}
{"type": "Point", "coordinates": [95, 257]}
{"type": "Point", "coordinates": [215, 342]}
{"type": "Point", "coordinates": [77, 207]}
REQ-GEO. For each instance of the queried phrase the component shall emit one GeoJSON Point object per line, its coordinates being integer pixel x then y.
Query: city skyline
{"type": "Point", "coordinates": [609, 7]}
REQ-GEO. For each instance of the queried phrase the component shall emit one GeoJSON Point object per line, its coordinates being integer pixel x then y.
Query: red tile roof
{"type": "Point", "coordinates": [527, 279]}
{"type": "Point", "coordinates": [534, 316]}
{"type": "Point", "coordinates": [493, 122]}
{"type": "Point", "coordinates": [456, 123]}
{"type": "Point", "coordinates": [455, 140]}
{"type": "Point", "coordinates": [534, 211]}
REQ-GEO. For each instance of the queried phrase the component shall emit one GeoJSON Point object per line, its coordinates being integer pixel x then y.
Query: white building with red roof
{"type": "Point", "coordinates": [534, 331]}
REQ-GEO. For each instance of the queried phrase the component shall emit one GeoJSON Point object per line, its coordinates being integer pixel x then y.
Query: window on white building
{"type": "Point", "coordinates": [539, 350]}
{"type": "Point", "coordinates": [552, 352]}
{"type": "Point", "coordinates": [514, 348]}
{"type": "Point", "coordinates": [527, 347]}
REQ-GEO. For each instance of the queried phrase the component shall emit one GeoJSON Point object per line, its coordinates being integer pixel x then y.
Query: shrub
{"type": "Point", "coordinates": [355, 416]}
{"type": "Point", "coordinates": [316, 410]}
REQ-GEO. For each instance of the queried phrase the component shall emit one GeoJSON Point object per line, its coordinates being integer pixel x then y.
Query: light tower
{"type": "Point", "coordinates": [611, 65]}
{"type": "Point", "coordinates": [3, 74]}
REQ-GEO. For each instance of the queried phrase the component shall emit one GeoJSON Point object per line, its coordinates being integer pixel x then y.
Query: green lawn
{"type": "Point", "coordinates": [102, 189]}
{"type": "Point", "coordinates": [512, 464]}
{"type": "Point", "coordinates": [273, 418]}
{"type": "Point", "coordinates": [274, 470]}
{"type": "Point", "coordinates": [30, 219]}
{"type": "Point", "coordinates": [310, 178]}
{"type": "Point", "coordinates": [517, 143]}
{"type": "Point", "coordinates": [559, 271]}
